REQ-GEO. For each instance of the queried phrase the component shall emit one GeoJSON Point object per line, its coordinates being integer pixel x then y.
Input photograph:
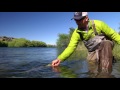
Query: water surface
{"type": "Point", "coordinates": [32, 63]}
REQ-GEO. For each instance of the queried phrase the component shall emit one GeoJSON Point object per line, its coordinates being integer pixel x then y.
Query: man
{"type": "Point", "coordinates": [99, 48]}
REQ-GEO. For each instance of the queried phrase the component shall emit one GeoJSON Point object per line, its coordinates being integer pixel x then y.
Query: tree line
{"type": "Point", "coordinates": [22, 42]}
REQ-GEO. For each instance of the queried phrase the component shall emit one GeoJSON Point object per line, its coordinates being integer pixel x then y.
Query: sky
{"type": "Point", "coordinates": [45, 26]}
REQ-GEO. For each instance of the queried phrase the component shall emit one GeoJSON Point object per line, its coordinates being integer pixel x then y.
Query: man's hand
{"type": "Point", "coordinates": [56, 62]}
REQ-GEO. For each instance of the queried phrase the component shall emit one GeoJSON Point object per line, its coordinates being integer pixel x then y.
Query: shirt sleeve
{"type": "Point", "coordinates": [111, 33]}
{"type": "Point", "coordinates": [71, 46]}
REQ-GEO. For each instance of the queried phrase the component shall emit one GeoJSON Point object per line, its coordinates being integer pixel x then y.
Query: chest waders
{"type": "Point", "coordinates": [99, 52]}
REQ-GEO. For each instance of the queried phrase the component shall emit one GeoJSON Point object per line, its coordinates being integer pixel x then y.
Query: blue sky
{"type": "Point", "coordinates": [45, 26]}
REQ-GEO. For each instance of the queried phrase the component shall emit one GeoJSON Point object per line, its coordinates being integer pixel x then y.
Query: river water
{"type": "Point", "coordinates": [33, 63]}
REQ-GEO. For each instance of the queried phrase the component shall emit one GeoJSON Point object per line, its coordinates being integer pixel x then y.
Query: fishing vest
{"type": "Point", "coordinates": [93, 43]}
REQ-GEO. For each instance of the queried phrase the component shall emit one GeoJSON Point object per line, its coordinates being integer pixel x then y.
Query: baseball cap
{"type": "Point", "coordinates": [79, 15]}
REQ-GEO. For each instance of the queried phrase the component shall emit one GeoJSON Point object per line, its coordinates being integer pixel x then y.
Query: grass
{"type": "Point", "coordinates": [116, 51]}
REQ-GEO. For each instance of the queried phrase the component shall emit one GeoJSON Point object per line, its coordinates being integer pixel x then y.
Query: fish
{"type": "Point", "coordinates": [49, 64]}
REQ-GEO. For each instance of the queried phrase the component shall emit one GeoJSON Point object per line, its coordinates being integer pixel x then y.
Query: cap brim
{"type": "Point", "coordinates": [77, 18]}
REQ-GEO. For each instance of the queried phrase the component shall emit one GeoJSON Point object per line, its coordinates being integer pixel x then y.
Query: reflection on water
{"type": "Point", "coordinates": [78, 69]}
{"type": "Point", "coordinates": [64, 72]}
{"type": "Point", "coordinates": [32, 63]}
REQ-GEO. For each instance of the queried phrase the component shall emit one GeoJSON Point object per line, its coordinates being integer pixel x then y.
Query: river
{"type": "Point", "coordinates": [32, 63]}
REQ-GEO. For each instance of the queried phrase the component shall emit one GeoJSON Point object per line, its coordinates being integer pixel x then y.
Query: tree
{"type": "Point", "coordinates": [63, 40]}
{"type": "Point", "coordinates": [71, 31]}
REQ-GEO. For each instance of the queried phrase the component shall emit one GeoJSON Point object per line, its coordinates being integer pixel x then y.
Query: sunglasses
{"type": "Point", "coordinates": [80, 19]}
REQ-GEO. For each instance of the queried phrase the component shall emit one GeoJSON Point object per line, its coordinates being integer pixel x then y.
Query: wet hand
{"type": "Point", "coordinates": [56, 62]}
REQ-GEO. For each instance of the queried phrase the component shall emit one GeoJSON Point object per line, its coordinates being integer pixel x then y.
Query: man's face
{"type": "Point", "coordinates": [82, 22]}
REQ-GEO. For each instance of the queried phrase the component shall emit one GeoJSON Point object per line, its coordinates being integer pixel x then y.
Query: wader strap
{"type": "Point", "coordinates": [97, 55]}
{"type": "Point", "coordinates": [93, 24]}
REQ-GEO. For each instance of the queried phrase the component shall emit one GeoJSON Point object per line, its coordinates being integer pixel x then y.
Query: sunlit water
{"type": "Point", "coordinates": [32, 63]}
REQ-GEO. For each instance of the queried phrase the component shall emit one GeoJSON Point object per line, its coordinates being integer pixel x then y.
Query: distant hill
{"type": "Point", "coordinates": [5, 38]}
